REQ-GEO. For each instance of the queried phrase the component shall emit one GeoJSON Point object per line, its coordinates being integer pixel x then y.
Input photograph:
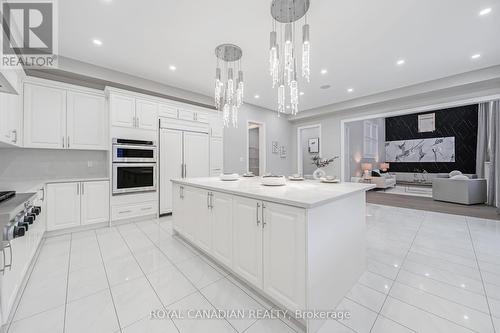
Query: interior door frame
{"type": "Point", "coordinates": [299, 147]}
{"type": "Point", "coordinates": [262, 146]}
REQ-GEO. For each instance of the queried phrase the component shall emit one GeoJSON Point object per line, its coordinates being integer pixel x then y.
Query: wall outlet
{"type": "Point", "coordinates": [90, 164]}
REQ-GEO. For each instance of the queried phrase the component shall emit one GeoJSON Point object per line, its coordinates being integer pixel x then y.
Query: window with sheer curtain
{"type": "Point", "coordinates": [370, 142]}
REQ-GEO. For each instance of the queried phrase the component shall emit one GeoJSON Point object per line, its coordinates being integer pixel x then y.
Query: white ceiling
{"type": "Point", "coordinates": [357, 41]}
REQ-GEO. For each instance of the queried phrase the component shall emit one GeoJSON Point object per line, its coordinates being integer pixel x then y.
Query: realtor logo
{"type": "Point", "coordinates": [29, 34]}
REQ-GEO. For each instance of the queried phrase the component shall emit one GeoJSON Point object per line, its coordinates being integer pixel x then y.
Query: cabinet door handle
{"type": "Point", "coordinates": [257, 215]}
{"type": "Point", "coordinates": [182, 170]}
{"type": "Point", "coordinates": [185, 170]}
{"type": "Point", "coordinates": [263, 220]}
{"type": "Point", "coordinates": [147, 208]}
{"type": "Point", "coordinates": [181, 192]}
{"type": "Point", "coordinates": [63, 141]}
{"type": "Point", "coordinates": [125, 211]}
{"type": "Point", "coordinates": [211, 200]}
{"type": "Point", "coordinates": [14, 134]}
{"type": "Point", "coordinates": [208, 200]}
{"type": "Point", "coordinates": [137, 121]}
{"type": "Point", "coordinates": [77, 188]}
{"type": "Point", "coordinates": [68, 141]}
{"type": "Point", "coordinates": [6, 245]}
{"type": "Point", "coordinates": [83, 188]}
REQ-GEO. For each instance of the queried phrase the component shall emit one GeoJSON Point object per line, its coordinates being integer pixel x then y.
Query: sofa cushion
{"type": "Point", "coordinates": [454, 173]}
{"type": "Point", "coordinates": [459, 177]}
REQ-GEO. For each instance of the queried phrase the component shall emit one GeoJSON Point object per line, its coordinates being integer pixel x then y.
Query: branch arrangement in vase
{"type": "Point", "coordinates": [318, 162]}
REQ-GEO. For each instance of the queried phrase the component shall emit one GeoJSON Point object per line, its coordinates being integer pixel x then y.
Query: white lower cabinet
{"type": "Point", "coordinates": [77, 203]}
{"type": "Point", "coordinates": [284, 245]}
{"type": "Point", "coordinates": [94, 202]}
{"type": "Point", "coordinates": [222, 227]}
{"type": "Point", "coordinates": [19, 255]}
{"type": "Point", "coordinates": [63, 205]}
{"type": "Point", "coordinates": [264, 243]}
{"type": "Point", "coordinates": [247, 239]}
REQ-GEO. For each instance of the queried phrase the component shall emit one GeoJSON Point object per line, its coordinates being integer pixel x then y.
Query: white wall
{"type": "Point", "coordinates": [330, 117]}
{"type": "Point", "coordinates": [306, 134]}
{"type": "Point", "coordinates": [68, 66]}
{"type": "Point", "coordinates": [276, 129]}
{"type": "Point", "coordinates": [19, 164]}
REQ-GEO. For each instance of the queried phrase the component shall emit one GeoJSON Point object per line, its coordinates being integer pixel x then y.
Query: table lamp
{"type": "Point", "coordinates": [367, 168]}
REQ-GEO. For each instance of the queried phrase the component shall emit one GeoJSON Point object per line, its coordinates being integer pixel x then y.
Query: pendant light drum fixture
{"type": "Point", "coordinates": [229, 86]}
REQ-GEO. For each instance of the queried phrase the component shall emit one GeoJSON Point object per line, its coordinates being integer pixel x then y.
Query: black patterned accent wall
{"type": "Point", "coordinates": [460, 122]}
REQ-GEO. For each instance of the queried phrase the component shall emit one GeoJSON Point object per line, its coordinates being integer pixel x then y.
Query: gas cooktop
{"type": "Point", "coordinates": [5, 195]}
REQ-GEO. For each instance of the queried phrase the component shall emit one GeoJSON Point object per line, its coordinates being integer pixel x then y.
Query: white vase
{"type": "Point", "coordinates": [319, 173]}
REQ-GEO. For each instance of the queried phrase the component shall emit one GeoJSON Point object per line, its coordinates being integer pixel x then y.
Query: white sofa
{"type": "Point", "coordinates": [462, 191]}
{"type": "Point", "coordinates": [385, 181]}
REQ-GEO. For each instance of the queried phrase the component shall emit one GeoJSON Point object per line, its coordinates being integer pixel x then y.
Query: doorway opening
{"type": "Point", "coordinates": [309, 145]}
{"type": "Point", "coordinates": [256, 148]}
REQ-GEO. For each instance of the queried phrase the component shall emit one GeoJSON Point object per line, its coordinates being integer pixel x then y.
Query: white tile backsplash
{"type": "Point", "coordinates": [18, 164]}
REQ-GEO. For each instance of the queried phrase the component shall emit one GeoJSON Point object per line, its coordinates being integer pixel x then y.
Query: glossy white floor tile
{"type": "Point", "coordinates": [94, 313]}
{"type": "Point", "coordinates": [426, 272]}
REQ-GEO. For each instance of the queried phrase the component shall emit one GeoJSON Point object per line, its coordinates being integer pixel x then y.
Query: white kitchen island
{"type": "Point", "coordinates": [302, 245]}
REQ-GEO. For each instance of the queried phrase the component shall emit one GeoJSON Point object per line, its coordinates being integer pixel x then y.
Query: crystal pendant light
{"type": "Point", "coordinates": [229, 91]}
{"type": "Point", "coordinates": [283, 53]}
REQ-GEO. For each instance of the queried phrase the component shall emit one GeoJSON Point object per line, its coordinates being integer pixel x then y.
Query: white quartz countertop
{"type": "Point", "coordinates": [304, 194]}
{"type": "Point", "coordinates": [33, 185]}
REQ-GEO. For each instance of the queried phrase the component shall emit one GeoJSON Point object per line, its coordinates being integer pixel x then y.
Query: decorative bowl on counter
{"type": "Point", "coordinates": [330, 179]}
{"type": "Point", "coordinates": [273, 180]}
{"type": "Point", "coordinates": [296, 177]}
{"type": "Point", "coordinates": [248, 174]}
{"type": "Point", "coordinates": [229, 176]}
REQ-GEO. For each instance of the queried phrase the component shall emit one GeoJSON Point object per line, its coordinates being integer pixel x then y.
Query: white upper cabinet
{"type": "Point", "coordinates": [61, 118]}
{"type": "Point", "coordinates": [11, 112]}
{"type": "Point", "coordinates": [167, 111]}
{"type": "Point", "coordinates": [122, 110]}
{"type": "Point", "coordinates": [186, 114]}
{"type": "Point", "coordinates": [10, 118]}
{"type": "Point", "coordinates": [44, 117]}
{"type": "Point", "coordinates": [131, 112]}
{"type": "Point", "coordinates": [146, 114]}
{"type": "Point", "coordinates": [87, 122]}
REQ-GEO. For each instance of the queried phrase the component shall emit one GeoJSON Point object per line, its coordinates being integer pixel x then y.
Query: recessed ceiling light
{"type": "Point", "coordinates": [172, 68]}
{"type": "Point", "coordinates": [400, 62]}
{"type": "Point", "coordinates": [324, 71]}
{"type": "Point", "coordinates": [350, 90]}
{"type": "Point", "coordinates": [485, 11]}
{"type": "Point", "coordinates": [476, 56]}
{"type": "Point", "coordinates": [256, 97]}
{"type": "Point", "coordinates": [97, 42]}
{"type": "Point", "coordinates": [326, 86]}
{"type": "Point", "coordinates": [288, 106]}
{"type": "Point", "coordinates": [301, 93]}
